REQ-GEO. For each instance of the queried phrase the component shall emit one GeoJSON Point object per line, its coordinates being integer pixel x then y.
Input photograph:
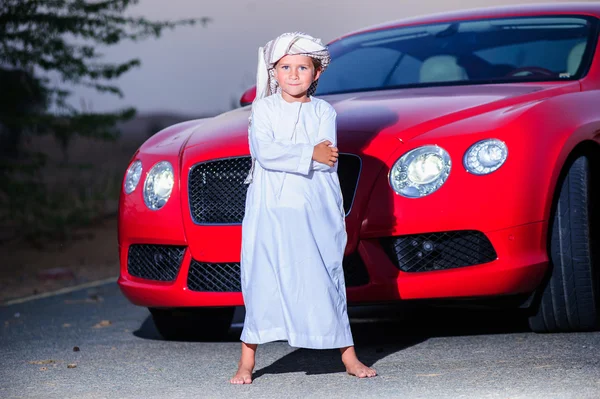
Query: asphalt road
{"type": "Point", "coordinates": [418, 354]}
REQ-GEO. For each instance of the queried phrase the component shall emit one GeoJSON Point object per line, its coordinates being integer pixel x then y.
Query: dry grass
{"type": "Point", "coordinates": [80, 185]}
{"type": "Point", "coordinates": [71, 190]}
{"type": "Point", "coordinates": [75, 226]}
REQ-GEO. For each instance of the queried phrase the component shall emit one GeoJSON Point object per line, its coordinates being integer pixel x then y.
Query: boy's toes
{"type": "Point", "coordinates": [361, 371]}
{"type": "Point", "coordinates": [241, 378]}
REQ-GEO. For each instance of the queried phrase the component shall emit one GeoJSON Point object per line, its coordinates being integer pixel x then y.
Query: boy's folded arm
{"type": "Point", "coordinates": [327, 132]}
{"type": "Point", "coordinates": [283, 156]}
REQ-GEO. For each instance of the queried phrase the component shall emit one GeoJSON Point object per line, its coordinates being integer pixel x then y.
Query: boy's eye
{"type": "Point", "coordinates": [303, 68]}
{"type": "Point", "coordinates": [285, 67]}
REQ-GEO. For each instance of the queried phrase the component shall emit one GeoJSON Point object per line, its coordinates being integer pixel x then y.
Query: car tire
{"type": "Point", "coordinates": [192, 324]}
{"type": "Point", "coordinates": [569, 301]}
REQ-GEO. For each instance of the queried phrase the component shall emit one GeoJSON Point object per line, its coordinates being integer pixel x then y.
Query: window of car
{"type": "Point", "coordinates": [551, 54]}
{"type": "Point", "coordinates": [462, 52]}
{"type": "Point", "coordinates": [355, 70]}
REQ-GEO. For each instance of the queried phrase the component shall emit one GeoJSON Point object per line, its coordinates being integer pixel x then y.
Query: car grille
{"type": "Point", "coordinates": [439, 251]}
{"type": "Point", "coordinates": [225, 277]}
{"type": "Point", "coordinates": [214, 277]}
{"type": "Point", "coordinates": [217, 192]}
{"type": "Point", "coordinates": [154, 262]}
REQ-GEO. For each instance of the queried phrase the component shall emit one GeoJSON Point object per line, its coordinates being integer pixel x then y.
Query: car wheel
{"type": "Point", "coordinates": [191, 324]}
{"type": "Point", "coordinates": [569, 301]}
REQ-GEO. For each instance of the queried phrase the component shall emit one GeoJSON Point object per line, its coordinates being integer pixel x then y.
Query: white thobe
{"type": "Point", "coordinates": [293, 232]}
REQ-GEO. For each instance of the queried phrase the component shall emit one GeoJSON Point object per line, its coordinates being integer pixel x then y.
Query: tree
{"type": "Point", "coordinates": [40, 39]}
{"type": "Point", "coordinates": [60, 37]}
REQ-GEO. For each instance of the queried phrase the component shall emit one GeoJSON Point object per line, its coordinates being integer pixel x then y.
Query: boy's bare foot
{"type": "Point", "coordinates": [354, 366]}
{"type": "Point", "coordinates": [245, 365]}
{"type": "Point", "coordinates": [360, 370]}
{"type": "Point", "coordinates": [243, 375]}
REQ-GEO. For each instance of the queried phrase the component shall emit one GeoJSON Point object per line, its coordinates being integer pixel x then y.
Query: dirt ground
{"type": "Point", "coordinates": [92, 255]}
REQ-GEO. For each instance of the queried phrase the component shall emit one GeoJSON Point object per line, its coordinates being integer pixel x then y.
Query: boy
{"type": "Point", "coordinates": [293, 232]}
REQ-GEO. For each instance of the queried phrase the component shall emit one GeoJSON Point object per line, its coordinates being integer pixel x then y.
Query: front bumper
{"type": "Point", "coordinates": [518, 269]}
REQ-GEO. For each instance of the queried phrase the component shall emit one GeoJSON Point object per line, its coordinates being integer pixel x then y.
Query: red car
{"type": "Point", "coordinates": [470, 160]}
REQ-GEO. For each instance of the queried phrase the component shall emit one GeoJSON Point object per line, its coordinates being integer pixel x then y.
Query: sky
{"type": "Point", "coordinates": [204, 70]}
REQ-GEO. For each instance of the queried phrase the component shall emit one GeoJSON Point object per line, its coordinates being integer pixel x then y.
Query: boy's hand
{"type": "Point", "coordinates": [325, 154]}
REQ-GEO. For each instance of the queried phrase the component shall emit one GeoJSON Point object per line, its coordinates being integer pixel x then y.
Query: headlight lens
{"type": "Point", "coordinates": [421, 171]}
{"type": "Point", "coordinates": [485, 156]}
{"type": "Point", "coordinates": [132, 176]}
{"type": "Point", "coordinates": [158, 185]}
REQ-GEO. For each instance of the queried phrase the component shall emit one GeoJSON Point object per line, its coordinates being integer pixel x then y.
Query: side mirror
{"type": "Point", "coordinates": [248, 96]}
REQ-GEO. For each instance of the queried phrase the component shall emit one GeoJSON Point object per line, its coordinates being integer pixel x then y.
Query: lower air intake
{"type": "Point", "coordinates": [154, 262]}
{"type": "Point", "coordinates": [439, 251]}
{"type": "Point", "coordinates": [225, 277]}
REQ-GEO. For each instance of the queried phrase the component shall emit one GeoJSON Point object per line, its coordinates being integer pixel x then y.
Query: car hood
{"type": "Point", "coordinates": [375, 123]}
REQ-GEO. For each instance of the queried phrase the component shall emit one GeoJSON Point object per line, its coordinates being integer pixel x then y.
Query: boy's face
{"type": "Point", "coordinates": [295, 74]}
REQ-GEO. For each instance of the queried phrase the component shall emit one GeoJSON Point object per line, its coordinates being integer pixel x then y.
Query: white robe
{"type": "Point", "coordinates": [293, 232]}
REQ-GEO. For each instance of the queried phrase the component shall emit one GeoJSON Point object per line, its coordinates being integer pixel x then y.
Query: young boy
{"type": "Point", "coordinates": [293, 232]}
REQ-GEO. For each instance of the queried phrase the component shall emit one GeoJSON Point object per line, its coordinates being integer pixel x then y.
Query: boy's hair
{"type": "Point", "coordinates": [317, 63]}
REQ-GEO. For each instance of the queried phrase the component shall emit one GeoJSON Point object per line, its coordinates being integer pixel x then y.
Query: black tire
{"type": "Point", "coordinates": [569, 301]}
{"type": "Point", "coordinates": [192, 324]}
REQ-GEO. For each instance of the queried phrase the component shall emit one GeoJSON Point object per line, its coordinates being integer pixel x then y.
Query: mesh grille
{"type": "Point", "coordinates": [225, 277]}
{"type": "Point", "coordinates": [439, 251]}
{"type": "Point", "coordinates": [154, 262]}
{"type": "Point", "coordinates": [217, 192]}
{"type": "Point", "coordinates": [214, 277]}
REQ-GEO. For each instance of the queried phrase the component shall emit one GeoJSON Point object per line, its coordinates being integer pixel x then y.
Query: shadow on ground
{"type": "Point", "coordinates": [379, 331]}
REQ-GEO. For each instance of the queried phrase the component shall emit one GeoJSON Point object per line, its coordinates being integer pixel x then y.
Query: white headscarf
{"type": "Point", "coordinates": [294, 43]}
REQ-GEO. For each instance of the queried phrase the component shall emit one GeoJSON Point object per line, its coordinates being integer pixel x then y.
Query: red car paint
{"type": "Point", "coordinates": [541, 123]}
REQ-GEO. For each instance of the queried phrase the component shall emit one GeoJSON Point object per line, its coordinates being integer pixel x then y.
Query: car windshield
{"type": "Point", "coordinates": [462, 52]}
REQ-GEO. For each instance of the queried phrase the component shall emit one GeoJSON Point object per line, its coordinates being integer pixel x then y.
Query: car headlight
{"type": "Point", "coordinates": [421, 171]}
{"type": "Point", "coordinates": [132, 176]}
{"type": "Point", "coordinates": [485, 156]}
{"type": "Point", "coordinates": [158, 185]}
